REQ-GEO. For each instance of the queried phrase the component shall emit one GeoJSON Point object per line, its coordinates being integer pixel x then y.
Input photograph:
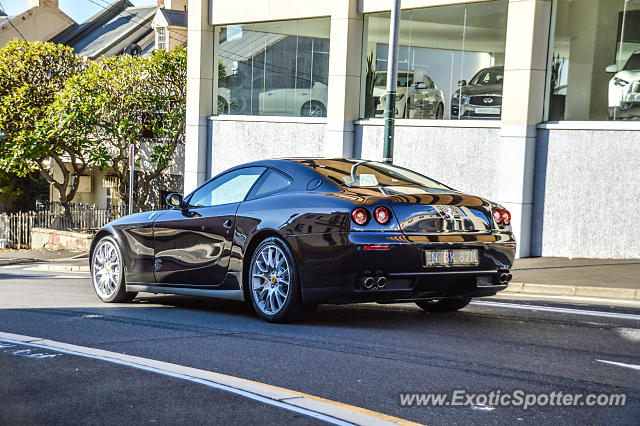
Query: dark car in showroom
{"type": "Point", "coordinates": [289, 234]}
{"type": "Point", "coordinates": [481, 97]}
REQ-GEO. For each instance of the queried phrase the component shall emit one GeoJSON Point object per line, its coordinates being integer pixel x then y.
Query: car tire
{"type": "Point", "coordinates": [440, 112]}
{"type": "Point", "coordinates": [444, 305]}
{"type": "Point", "coordinates": [107, 272]}
{"type": "Point", "coordinates": [274, 283]}
{"type": "Point", "coordinates": [313, 109]}
{"type": "Point", "coordinates": [407, 109]}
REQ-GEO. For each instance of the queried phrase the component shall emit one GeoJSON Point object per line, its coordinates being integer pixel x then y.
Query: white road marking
{"type": "Point", "coordinates": [620, 364]}
{"type": "Point", "coordinates": [632, 334]}
{"type": "Point", "coordinates": [592, 300]}
{"type": "Point", "coordinates": [319, 408]}
{"type": "Point", "coordinates": [572, 311]}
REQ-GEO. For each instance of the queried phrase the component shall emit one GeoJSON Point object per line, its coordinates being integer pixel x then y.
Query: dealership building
{"type": "Point", "coordinates": [530, 103]}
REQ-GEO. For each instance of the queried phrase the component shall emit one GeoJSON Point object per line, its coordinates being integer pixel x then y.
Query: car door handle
{"type": "Point", "coordinates": [227, 223]}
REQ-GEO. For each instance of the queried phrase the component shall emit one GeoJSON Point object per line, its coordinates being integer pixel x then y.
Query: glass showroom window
{"type": "Point", "coordinates": [450, 65]}
{"type": "Point", "coordinates": [274, 68]}
{"type": "Point", "coordinates": [594, 66]}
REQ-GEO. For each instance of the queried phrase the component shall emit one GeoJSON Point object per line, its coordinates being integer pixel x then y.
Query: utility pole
{"type": "Point", "coordinates": [392, 80]}
{"type": "Point", "coordinates": [131, 176]}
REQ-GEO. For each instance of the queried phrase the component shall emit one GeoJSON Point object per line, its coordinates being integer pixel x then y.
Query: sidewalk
{"type": "Point", "coordinates": [608, 278]}
{"type": "Point", "coordinates": [58, 260]}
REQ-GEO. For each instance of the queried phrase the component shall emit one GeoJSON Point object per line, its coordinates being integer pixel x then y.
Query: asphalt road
{"type": "Point", "coordinates": [363, 355]}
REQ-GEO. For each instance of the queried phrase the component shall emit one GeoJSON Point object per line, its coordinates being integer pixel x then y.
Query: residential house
{"type": "Point", "coordinates": [123, 28]}
{"type": "Point", "coordinates": [41, 22]}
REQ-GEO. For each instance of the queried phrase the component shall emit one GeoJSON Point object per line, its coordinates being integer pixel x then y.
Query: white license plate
{"type": "Point", "coordinates": [488, 111]}
{"type": "Point", "coordinates": [450, 257]}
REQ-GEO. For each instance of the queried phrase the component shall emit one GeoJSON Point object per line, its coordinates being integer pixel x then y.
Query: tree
{"type": "Point", "coordinates": [125, 100]}
{"type": "Point", "coordinates": [31, 75]}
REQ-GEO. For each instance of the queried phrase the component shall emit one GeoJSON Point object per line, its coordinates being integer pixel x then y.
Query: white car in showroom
{"type": "Point", "coordinates": [624, 89]}
{"type": "Point", "coordinates": [416, 95]}
{"type": "Point", "coordinates": [303, 102]}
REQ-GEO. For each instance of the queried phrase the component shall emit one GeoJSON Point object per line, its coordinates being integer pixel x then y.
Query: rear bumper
{"type": "Point", "coordinates": [332, 266]}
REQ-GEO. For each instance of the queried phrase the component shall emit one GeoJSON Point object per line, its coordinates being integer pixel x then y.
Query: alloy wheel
{"type": "Point", "coordinates": [270, 279]}
{"type": "Point", "coordinates": [106, 269]}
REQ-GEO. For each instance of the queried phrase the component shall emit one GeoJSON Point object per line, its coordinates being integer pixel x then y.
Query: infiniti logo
{"type": "Point", "coordinates": [488, 100]}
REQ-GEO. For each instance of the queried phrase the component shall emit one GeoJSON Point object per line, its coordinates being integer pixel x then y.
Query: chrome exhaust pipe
{"type": "Point", "coordinates": [509, 277]}
{"type": "Point", "coordinates": [368, 283]}
{"type": "Point", "coordinates": [381, 282]}
{"type": "Point", "coordinates": [504, 278]}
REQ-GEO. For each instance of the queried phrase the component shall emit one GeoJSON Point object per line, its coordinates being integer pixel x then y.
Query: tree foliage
{"type": "Point", "coordinates": [31, 75]}
{"type": "Point", "coordinates": [125, 100]}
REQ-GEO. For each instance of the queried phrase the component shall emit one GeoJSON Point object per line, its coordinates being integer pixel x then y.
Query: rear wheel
{"type": "Point", "coordinates": [107, 272]}
{"type": "Point", "coordinates": [274, 283]}
{"type": "Point", "coordinates": [445, 305]}
{"type": "Point", "coordinates": [440, 112]}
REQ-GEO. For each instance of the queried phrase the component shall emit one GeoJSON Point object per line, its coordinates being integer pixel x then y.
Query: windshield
{"type": "Point", "coordinates": [488, 76]}
{"type": "Point", "coordinates": [633, 64]}
{"type": "Point", "coordinates": [366, 174]}
{"type": "Point", "coordinates": [404, 79]}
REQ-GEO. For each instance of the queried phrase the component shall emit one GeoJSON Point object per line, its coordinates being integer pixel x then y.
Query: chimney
{"type": "Point", "coordinates": [47, 3]}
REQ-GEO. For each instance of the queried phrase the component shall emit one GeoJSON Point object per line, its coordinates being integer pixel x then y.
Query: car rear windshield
{"type": "Point", "coordinates": [366, 174]}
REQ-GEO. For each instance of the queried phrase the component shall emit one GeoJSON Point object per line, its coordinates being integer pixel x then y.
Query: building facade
{"type": "Point", "coordinates": [531, 103]}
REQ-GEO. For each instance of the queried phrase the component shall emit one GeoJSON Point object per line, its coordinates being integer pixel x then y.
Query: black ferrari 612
{"type": "Point", "coordinates": [290, 234]}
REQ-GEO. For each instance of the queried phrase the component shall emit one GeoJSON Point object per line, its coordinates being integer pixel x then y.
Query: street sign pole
{"type": "Point", "coordinates": [392, 79]}
{"type": "Point", "coordinates": [131, 176]}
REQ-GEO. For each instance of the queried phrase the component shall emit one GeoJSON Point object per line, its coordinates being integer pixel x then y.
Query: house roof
{"type": "Point", "coordinates": [170, 18]}
{"type": "Point", "coordinates": [111, 30]}
{"type": "Point", "coordinates": [243, 48]}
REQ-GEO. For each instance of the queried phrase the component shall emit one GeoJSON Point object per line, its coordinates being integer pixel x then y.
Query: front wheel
{"type": "Point", "coordinates": [313, 109]}
{"type": "Point", "coordinates": [445, 305]}
{"type": "Point", "coordinates": [107, 273]}
{"type": "Point", "coordinates": [274, 282]}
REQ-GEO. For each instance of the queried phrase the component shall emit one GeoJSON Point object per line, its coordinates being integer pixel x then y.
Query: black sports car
{"type": "Point", "coordinates": [290, 234]}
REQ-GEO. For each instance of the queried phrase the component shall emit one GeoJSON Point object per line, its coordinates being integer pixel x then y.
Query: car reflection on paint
{"type": "Point", "coordinates": [286, 235]}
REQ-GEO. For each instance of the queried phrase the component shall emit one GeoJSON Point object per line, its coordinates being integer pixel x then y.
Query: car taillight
{"type": "Point", "coordinates": [506, 217]}
{"type": "Point", "coordinates": [382, 215]}
{"type": "Point", "coordinates": [360, 216]}
{"type": "Point", "coordinates": [501, 216]}
{"type": "Point", "coordinates": [497, 215]}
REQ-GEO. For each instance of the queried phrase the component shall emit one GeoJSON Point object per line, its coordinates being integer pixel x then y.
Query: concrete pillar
{"type": "Point", "coordinates": [522, 109]}
{"type": "Point", "coordinates": [589, 54]}
{"type": "Point", "coordinates": [344, 78]}
{"type": "Point", "coordinates": [200, 105]}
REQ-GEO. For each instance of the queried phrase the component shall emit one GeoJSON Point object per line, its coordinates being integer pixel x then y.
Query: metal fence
{"type": "Point", "coordinates": [15, 228]}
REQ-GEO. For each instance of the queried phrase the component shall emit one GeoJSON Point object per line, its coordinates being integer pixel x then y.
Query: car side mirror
{"type": "Point", "coordinates": [462, 82]}
{"type": "Point", "coordinates": [174, 200]}
{"type": "Point", "coordinates": [612, 69]}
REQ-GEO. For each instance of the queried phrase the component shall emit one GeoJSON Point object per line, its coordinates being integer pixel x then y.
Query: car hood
{"type": "Point", "coordinates": [628, 75]}
{"type": "Point", "coordinates": [481, 89]}
{"type": "Point", "coordinates": [381, 90]}
{"type": "Point", "coordinates": [137, 218]}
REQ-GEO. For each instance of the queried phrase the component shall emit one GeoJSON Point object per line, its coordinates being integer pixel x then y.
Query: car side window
{"type": "Point", "coordinates": [273, 181]}
{"type": "Point", "coordinates": [229, 188]}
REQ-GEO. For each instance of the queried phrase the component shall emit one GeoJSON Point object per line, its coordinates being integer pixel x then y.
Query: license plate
{"type": "Point", "coordinates": [450, 257]}
{"type": "Point", "coordinates": [488, 111]}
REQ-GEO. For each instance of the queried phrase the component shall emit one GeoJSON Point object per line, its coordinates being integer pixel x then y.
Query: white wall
{"type": "Point", "coordinates": [587, 194]}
